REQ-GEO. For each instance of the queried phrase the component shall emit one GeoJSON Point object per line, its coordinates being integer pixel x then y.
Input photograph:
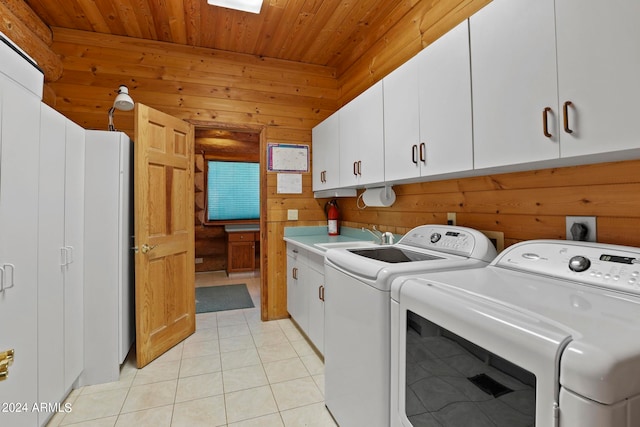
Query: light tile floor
{"type": "Point", "coordinates": [235, 371]}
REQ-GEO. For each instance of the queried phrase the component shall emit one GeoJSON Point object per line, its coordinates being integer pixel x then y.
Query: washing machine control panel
{"type": "Point", "coordinates": [607, 266]}
{"type": "Point", "coordinates": [461, 241]}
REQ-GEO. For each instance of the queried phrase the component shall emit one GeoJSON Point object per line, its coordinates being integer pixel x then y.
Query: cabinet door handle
{"type": "Point", "coordinates": [4, 273]}
{"type": "Point", "coordinates": [423, 152]}
{"type": "Point", "coordinates": [294, 273]}
{"type": "Point", "coordinates": [321, 292]}
{"type": "Point", "coordinates": [545, 127]}
{"type": "Point", "coordinates": [360, 167]}
{"type": "Point", "coordinates": [565, 113]}
{"type": "Point", "coordinates": [414, 154]}
{"type": "Point", "coordinates": [355, 168]}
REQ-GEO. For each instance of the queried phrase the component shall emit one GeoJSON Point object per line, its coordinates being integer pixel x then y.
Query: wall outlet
{"type": "Point", "coordinates": [451, 218]}
{"type": "Point", "coordinates": [581, 228]}
{"type": "Point", "coordinates": [199, 260]}
{"type": "Point", "coordinates": [292, 214]}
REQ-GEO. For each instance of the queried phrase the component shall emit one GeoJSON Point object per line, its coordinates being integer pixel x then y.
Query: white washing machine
{"type": "Point", "coordinates": [357, 313]}
{"type": "Point", "coordinates": [547, 335]}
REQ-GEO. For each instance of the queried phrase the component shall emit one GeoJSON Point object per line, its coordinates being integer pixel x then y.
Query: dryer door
{"type": "Point", "coordinates": [465, 356]}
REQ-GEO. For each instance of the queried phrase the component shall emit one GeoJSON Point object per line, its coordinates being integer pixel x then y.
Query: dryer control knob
{"type": "Point", "coordinates": [579, 263]}
{"type": "Point", "coordinates": [435, 237]}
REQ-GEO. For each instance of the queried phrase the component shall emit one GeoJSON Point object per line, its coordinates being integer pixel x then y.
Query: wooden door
{"type": "Point", "coordinates": [164, 234]}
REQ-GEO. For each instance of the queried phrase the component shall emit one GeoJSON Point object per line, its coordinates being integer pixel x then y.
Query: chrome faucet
{"type": "Point", "coordinates": [385, 238]}
{"type": "Point", "coordinates": [375, 233]}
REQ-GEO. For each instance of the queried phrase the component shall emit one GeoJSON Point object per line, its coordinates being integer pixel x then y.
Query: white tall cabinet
{"type": "Point", "coordinates": [60, 257]}
{"type": "Point", "coordinates": [20, 96]}
{"type": "Point", "coordinates": [109, 327]}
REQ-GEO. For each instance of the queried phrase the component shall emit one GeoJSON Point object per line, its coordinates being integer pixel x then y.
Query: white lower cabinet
{"type": "Point", "coordinates": [297, 299]}
{"type": "Point", "coordinates": [305, 292]}
{"type": "Point", "coordinates": [314, 286]}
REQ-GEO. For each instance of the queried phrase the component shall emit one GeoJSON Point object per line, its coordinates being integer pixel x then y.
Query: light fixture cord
{"type": "Point", "coordinates": [111, 126]}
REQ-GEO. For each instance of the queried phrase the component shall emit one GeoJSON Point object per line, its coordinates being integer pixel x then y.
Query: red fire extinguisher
{"type": "Point", "coordinates": [333, 214]}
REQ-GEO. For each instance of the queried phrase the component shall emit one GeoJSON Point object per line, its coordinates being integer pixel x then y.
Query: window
{"type": "Point", "coordinates": [233, 191]}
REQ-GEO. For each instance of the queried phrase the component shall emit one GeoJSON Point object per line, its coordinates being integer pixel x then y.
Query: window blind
{"type": "Point", "coordinates": [233, 190]}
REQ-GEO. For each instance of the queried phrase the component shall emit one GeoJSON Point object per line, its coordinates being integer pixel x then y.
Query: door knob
{"type": "Point", "coordinates": [6, 356]}
{"type": "Point", "coordinates": [146, 248]}
{"type": "Point", "coordinates": [4, 370]}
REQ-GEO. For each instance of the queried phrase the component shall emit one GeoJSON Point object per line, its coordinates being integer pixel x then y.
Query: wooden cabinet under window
{"type": "Point", "coordinates": [241, 250]}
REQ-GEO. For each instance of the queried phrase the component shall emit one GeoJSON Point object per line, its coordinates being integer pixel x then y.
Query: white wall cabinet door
{"type": "Point", "coordinates": [427, 111]}
{"type": "Point", "coordinates": [513, 63]}
{"type": "Point", "coordinates": [314, 284]}
{"type": "Point", "coordinates": [52, 259]}
{"type": "Point", "coordinates": [326, 154]}
{"type": "Point", "coordinates": [74, 250]}
{"type": "Point", "coordinates": [446, 132]}
{"type": "Point", "coordinates": [598, 73]}
{"type": "Point", "coordinates": [362, 139]}
{"type": "Point", "coordinates": [296, 293]}
{"type": "Point", "coordinates": [402, 122]}
{"type": "Point", "coordinates": [19, 151]}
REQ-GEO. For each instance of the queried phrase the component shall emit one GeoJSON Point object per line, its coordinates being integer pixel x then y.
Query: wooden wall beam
{"type": "Point", "coordinates": [24, 13]}
{"type": "Point", "coordinates": [21, 33]}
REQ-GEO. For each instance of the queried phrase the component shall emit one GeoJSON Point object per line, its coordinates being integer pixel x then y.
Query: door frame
{"type": "Point", "coordinates": [264, 265]}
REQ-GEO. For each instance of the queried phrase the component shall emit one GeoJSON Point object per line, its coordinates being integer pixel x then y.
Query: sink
{"type": "Point", "coordinates": [342, 245]}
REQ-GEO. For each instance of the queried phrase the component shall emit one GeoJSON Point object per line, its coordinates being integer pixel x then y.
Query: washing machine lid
{"type": "Point", "coordinates": [425, 248]}
{"type": "Point", "coordinates": [601, 357]}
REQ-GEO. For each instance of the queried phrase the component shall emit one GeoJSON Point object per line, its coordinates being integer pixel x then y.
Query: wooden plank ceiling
{"type": "Point", "coordinates": [332, 33]}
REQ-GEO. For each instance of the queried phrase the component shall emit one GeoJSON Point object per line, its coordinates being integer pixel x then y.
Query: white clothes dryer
{"type": "Point", "coordinates": [545, 336]}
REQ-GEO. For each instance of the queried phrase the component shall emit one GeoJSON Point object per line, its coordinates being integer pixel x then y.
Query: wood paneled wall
{"type": "Point", "coordinates": [213, 89]}
{"type": "Point", "coordinates": [421, 26]}
{"type": "Point", "coordinates": [523, 205]}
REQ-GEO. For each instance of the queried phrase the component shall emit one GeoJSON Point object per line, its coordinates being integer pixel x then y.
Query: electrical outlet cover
{"type": "Point", "coordinates": [588, 221]}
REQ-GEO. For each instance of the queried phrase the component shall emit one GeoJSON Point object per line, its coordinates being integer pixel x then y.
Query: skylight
{"type": "Point", "coordinates": [252, 6]}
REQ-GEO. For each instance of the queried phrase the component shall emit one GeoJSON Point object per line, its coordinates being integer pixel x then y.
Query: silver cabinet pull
{"type": "Point", "coordinates": [6, 271]}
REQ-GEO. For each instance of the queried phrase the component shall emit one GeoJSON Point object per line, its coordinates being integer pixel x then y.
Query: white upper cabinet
{"type": "Point", "coordinates": [446, 134]}
{"type": "Point", "coordinates": [515, 90]}
{"type": "Point", "coordinates": [598, 71]}
{"type": "Point", "coordinates": [326, 152]}
{"type": "Point", "coordinates": [362, 139]}
{"type": "Point", "coordinates": [427, 111]}
{"type": "Point", "coordinates": [402, 122]}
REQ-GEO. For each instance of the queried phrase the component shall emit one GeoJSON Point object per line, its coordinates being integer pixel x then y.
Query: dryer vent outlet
{"type": "Point", "coordinates": [582, 228]}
